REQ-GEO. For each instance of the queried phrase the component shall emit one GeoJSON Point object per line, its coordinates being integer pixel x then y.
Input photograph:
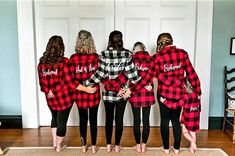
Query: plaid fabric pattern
{"type": "Point", "coordinates": [111, 64]}
{"type": "Point", "coordinates": [82, 67]}
{"type": "Point", "coordinates": [145, 96]}
{"type": "Point", "coordinates": [173, 63]}
{"type": "Point", "coordinates": [56, 78]}
{"type": "Point", "coordinates": [191, 112]}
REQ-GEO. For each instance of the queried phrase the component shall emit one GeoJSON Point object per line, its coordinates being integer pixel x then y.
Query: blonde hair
{"type": "Point", "coordinates": [139, 46]}
{"type": "Point", "coordinates": [164, 40]}
{"type": "Point", "coordinates": [85, 43]}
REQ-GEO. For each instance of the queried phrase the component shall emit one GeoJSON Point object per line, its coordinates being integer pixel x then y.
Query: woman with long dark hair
{"type": "Point", "coordinates": [113, 61]}
{"type": "Point", "coordinates": [53, 77]}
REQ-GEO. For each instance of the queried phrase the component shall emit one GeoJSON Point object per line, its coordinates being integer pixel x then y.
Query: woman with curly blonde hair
{"type": "Point", "coordinates": [83, 63]}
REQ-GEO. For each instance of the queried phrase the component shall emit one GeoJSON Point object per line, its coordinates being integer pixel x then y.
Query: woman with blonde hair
{"type": "Point", "coordinates": [83, 63]}
{"type": "Point", "coordinates": [173, 63]}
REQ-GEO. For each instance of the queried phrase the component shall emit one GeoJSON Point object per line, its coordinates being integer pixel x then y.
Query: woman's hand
{"type": "Point", "coordinates": [50, 94]}
{"type": "Point", "coordinates": [87, 89]}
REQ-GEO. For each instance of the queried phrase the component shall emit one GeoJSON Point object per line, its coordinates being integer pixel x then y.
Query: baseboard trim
{"type": "Point", "coordinates": [215, 123]}
{"type": "Point", "coordinates": [15, 121]}
{"type": "Point", "coordinates": [10, 121]}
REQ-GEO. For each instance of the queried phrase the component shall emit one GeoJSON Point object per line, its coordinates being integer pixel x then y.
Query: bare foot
{"type": "Point", "coordinates": [193, 147]}
{"type": "Point", "coordinates": [109, 148]}
{"type": "Point", "coordinates": [137, 148]}
{"type": "Point", "coordinates": [84, 148]}
{"type": "Point", "coordinates": [118, 148]}
{"type": "Point", "coordinates": [176, 151]}
{"type": "Point", "coordinates": [59, 148]}
{"type": "Point", "coordinates": [166, 151]}
{"type": "Point", "coordinates": [143, 148]}
{"type": "Point", "coordinates": [94, 149]}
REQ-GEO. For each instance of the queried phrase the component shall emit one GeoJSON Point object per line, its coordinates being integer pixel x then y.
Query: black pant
{"type": "Point", "coordinates": [83, 116]}
{"type": "Point", "coordinates": [119, 113]}
{"type": "Point", "coordinates": [168, 114]}
{"type": "Point", "coordinates": [137, 121]}
{"type": "Point", "coordinates": [59, 121]}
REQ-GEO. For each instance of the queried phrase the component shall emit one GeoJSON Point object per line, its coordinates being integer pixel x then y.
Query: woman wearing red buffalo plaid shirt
{"type": "Point", "coordinates": [53, 75]}
{"type": "Point", "coordinates": [173, 63]}
{"type": "Point", "coordinates": [83, 64]}
{"type": "Point", "coordinates": [190, 117]}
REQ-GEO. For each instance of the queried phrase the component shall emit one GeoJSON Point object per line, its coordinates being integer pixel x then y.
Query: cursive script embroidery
{"type": "Point", "coordinates": [112, 66]}
{"type": "Point", "coordinates": [86, 69]}
{"type": "Point", "coordinates": [194, 109]}
{"type": "Point", "coordinates": [171, 67]}
{"type": "Point", "coordinates": [48, 72]}
{"type": "Point", "coordinates": [140, 67]}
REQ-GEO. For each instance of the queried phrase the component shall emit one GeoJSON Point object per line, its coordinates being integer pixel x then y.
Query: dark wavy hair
{"type": "Point", "coordinates": [54, 51]}
{"type": "Point", "coordinates": [164, 39]}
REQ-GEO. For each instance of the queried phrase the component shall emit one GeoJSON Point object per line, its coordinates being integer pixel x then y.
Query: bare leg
{"type": "Point", "coordinates": [193, 146]}
{"type": "Point", "coordinates": [186, 133]}
{"type": "Point", "coordinates": [53, 133]}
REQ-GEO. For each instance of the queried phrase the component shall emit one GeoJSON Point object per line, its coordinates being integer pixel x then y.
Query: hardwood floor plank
{"type": "Point", "coordinates": [42, 137]}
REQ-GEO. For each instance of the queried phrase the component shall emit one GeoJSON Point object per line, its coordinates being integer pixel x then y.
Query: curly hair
{"type": "Point", "coordinates": [54, 51]}
{"type": "Point", "coordinates": [85, 43]}
{"type": "Point", "coordinates": [163, 40]}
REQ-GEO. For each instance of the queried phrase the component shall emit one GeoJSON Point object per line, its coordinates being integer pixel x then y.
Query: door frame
{"type": "Point", "coordinates": [27, 59]}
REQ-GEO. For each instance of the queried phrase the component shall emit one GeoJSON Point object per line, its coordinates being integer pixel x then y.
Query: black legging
{"type": "Point", "coordinates": [59, 121]}
{"type": "Point", "coordinates": [137, 121]}
{"type": "Point", "coordinates": [119, 113]}
{"type": "Point", "coordinates": [83, 117]}
{"type": "Point", "coordinates": [168, 114]}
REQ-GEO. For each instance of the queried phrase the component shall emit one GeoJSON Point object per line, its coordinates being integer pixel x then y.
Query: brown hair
{"type": "Point", "coordinates": [85, 43]}
{"type": "Point", "coordinates": [164, 40]}
{"type": "Point", "coordinates": [54, 51]}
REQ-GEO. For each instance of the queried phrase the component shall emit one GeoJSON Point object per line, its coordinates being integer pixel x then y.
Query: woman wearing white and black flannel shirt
{"type": "Point", "coordinates": [112, 62]}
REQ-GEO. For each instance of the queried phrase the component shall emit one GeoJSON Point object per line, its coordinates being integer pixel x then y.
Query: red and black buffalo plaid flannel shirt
{"type": "Point", "coordinates": [55, 78]}
{"type": "Point", "coordinates": [191, 110]}
{"type": "Point", "coordinates": [82, 67]}
{"type": "Point", "coordinates": [173, 63]}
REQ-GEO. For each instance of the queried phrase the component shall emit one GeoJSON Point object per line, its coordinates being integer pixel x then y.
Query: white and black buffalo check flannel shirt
{"type": "Point", "coordinates": [112, 63]}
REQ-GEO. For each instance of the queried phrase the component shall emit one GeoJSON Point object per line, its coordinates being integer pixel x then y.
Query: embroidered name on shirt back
{"type": "Point", "coordinates": [48, 72]}
{"type": "Point", "coordinates": [171, 67]}
{"type": "Point", "coordinates": [86, 69]}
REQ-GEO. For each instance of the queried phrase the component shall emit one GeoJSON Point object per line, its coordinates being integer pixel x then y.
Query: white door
{"type": "Point", "coordinates": [138, 20]}
{"type": "Point", "coordinates": [144, 20]}
{"type": "Point", "coordinates": [66, 19]}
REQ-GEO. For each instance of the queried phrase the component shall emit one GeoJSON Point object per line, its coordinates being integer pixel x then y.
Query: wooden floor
{"type": "Point", "coordinates": [42, 137]}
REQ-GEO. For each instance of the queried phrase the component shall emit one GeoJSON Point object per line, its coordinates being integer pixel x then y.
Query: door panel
{"type": "Point", "coordinates": [138, 20]}
{"type": "Point", "coordinates": [67, 18]}
{"type": "Point", "coordinates": [142, 20]}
